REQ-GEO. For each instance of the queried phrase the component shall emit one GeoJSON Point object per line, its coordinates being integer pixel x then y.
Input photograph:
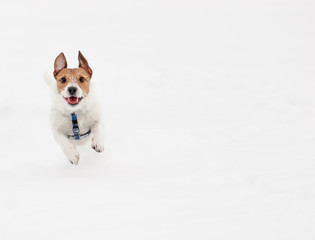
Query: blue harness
{"type": "Point", "coordinates": [76, 131]}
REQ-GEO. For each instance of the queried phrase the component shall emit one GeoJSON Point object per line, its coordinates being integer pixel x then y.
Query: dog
{"type": "Point", "coordinates": [75, 112]}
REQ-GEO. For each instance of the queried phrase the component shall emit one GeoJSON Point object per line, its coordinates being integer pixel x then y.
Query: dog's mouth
{"type": "Point", "coordinates": [73, 100]}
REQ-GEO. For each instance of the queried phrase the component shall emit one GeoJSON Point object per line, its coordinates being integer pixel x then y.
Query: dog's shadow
{"type": "Point", "coordinates": [91, 165]}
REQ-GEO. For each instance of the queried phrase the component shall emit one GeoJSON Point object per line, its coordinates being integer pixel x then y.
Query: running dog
{"type": "Point", "coordinates": [75, 112]}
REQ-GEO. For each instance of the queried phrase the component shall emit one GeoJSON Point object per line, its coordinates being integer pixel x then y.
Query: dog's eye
{"type": "Point", "coordinates": [63, 80]}
{"type": "Point", "coordinates": [82, 79]}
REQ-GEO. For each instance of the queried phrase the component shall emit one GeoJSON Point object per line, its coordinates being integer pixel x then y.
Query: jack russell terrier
{"type": "Point", "coordinates": [75, 112]}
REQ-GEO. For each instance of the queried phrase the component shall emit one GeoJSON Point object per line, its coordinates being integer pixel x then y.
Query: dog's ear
{"type": "Point", "coordinates": [83, 63]}
{"type": "Point", "coordinates": [60, 63]}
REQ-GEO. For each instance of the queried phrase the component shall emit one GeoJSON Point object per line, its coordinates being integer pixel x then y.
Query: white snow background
{"type": "Point", "coordinates": [209, 111]}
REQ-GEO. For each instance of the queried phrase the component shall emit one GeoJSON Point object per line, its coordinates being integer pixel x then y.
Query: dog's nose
{"type": "Point", "coordinates": [72, 90]}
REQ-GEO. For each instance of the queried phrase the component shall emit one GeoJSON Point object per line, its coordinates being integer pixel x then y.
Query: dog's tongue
{"type": "Point", "coordinates": [73, 100]}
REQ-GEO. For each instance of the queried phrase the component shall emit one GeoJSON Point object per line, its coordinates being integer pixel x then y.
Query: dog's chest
{"type": "Point", "coordinates": [85, 123]}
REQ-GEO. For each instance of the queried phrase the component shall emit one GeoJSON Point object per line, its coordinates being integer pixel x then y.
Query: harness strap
{"type": "Point", "coordinates": [82, 136]}
{"type": "Point", "coordinates": [76, 130]}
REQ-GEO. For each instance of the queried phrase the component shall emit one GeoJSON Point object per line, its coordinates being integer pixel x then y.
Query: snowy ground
{"type": "Point", "coordinates": [210, 115]}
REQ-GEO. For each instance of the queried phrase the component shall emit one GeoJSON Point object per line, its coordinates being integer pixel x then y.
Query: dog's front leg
{"type": "Point", "coordinates": [98, 137]}
{"type": "Point", "coordinates": [69, 150]}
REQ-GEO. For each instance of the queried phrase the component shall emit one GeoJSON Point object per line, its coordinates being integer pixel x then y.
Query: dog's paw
{"type": "Point", "coordinates": [97, 145]}
{"type": "Point", "coordinates": [72, 155]}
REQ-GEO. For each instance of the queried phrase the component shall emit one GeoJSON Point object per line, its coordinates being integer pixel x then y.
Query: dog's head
{"type": "Point", "coordinates": [73, 84]}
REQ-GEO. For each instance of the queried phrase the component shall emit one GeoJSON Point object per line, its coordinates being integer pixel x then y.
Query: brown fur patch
{"type": "Point", "coordinates": [73, 75]}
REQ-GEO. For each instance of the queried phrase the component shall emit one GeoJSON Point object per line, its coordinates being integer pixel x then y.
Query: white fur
{"type": "Point", "coordinates": [89, 117]}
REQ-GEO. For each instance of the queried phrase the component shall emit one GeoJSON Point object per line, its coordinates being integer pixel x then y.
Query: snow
{"type": "Point", "coordinates": [209, 111]}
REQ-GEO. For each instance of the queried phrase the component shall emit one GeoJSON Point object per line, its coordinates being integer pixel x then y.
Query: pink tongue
{"type": "Point", "coordinates": [73, 100]}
